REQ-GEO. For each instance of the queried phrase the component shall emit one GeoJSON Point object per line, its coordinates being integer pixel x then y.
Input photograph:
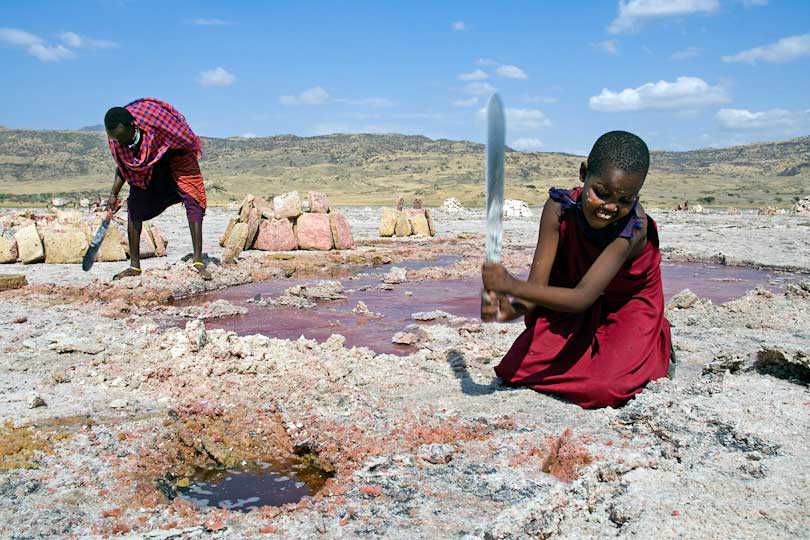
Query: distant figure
{"type": "Point", "coordinates": [156, 152]}
{"type": "Point", "coordinates": [593, 303]}
{"type": "Point", "coordinates": [679, 207]}
{"type": "Point", "coordinates": [686, 206]}
{"type": "Point", "coordinates": [400, 204]}
{"type": "Point", "coordinates": [417, 203]}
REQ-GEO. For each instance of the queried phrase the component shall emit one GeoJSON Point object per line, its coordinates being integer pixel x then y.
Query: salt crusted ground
{"type": "Point", "coordinates": [423, 446]}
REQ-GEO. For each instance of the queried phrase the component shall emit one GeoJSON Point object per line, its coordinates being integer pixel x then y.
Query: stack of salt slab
{"type": "Point", "coordinates": [408, 222]}
{"type": "Point", "coordinates": [64, 236]}
{"type": "Point", "coordinates": [287, 223]}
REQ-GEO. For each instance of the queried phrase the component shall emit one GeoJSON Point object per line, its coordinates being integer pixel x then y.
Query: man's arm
{"type": "Point", "coordinates": [112, 200]}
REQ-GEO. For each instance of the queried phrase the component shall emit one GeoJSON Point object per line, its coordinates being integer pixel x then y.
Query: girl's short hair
{"type": "Point", "coordinates": [620, 149]}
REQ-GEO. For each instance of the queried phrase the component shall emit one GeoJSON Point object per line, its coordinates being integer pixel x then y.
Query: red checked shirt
{"type": "Point", "coordinates": [162, 128]}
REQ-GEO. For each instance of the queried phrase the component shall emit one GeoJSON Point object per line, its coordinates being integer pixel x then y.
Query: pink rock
{"type": "Point", "coordinates": [253, 227]}
{"type": "Point", "coordinates": [314, 231]}
{"type": "Point", "coordinates": [276, 235]}
{"type": "Point", "coordinates": [318, 202]}
{"type": "Point", "coordinates": [341, 232]}
{"type": "Point", "coordinates": [159, 240]}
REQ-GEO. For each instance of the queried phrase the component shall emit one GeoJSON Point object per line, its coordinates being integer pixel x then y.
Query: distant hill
{"type": "Point", "coordinates": [376, 169]}
{"type": "Point", "coordinates": [97, 127]}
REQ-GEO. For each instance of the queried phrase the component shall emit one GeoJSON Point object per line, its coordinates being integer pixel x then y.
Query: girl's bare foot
{"type": "Point", "coordinates": [129, 272]}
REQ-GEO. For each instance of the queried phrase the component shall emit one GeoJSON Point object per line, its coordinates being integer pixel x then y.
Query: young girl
{"type": "Point", "coordinates": [594, 305]}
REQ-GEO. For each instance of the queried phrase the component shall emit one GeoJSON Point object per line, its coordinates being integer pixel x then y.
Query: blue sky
{"type": "Point", "coordinates": [682, 74]}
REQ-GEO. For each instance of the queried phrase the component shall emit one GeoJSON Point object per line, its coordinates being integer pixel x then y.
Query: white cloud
{"type": "Point", "coordinates": [521, 119]}
{"type": "Point", "coordinates": [771, 119]}
{"type": "Point", "coordinates": [476, 75]}
{"type": "Point", "coordinates": [526, 119]}
{"type": "Point", "coordinates": [486, 62]}
{"type": "Point", "coordinates": [634, 13]}
{"type": "Point", "coordinates": [458, 26]}
{"type": "Point", "coordinates": [689, 52]}
{"type": "Point", "coordinates": [216, 77]}
{"type": "Point", "coordinates": [511, 72]}
{"type": "Point", "coordinates": [75, 41]}
{"type": "Point", "coordinates": [35, 45]}
{"type": "Point", "coordinates": [685, 92]}
{"type": "Point", "coordinates": [313, 96]}
{"type": "Point", "coordinates": [527, 144]}
{"type": "Point", "coordinates": [610, 46]}
{"type": "Point", "coordinates": [50, 53]}
{"type": "Point", "coordinates": [210, 22]}
{"type": "Point", "coordinates": [466, 102]}
{"type": "Point", "coordinates": [18, 37]}
{"type": "Point", "coordinates": [479, 89]}
{"type": "Point", "coordinates": [784, 50]}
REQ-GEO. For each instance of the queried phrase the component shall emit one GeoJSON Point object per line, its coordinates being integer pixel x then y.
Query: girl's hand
{"type": "Point", "coordinates": [496, 278]}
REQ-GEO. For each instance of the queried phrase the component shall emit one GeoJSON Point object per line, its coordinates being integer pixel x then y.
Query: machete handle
{"type": "Point", "coordinates": [489, 306]}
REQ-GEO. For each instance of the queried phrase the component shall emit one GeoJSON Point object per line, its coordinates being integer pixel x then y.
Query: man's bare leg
{"type": "Point", "coordinates": [196, 245]}
{"type": "Point", "coordinates": [134, 234]}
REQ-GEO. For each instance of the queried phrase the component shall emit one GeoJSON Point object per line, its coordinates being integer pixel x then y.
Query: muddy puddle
{"type": "Point", "coordinates": [253, 485]}
{"type": "Point", "coordinates": [391, 309]}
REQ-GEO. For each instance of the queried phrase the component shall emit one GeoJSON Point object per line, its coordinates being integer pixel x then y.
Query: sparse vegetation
{"type": "Point", "coordinates": [375, 169]}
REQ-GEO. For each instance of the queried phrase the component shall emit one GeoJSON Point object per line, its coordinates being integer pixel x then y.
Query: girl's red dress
{"type": "Point", "coordinates": [606, 355]}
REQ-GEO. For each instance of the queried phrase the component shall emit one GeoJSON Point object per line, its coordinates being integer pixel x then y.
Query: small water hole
{"type": "Point", "coordinates": [253, 485]}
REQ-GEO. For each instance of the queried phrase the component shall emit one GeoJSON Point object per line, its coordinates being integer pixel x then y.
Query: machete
{"type": "Point", "coordinates": [496, 136]}
{"type": "Point", "coordinates": [95, 244]}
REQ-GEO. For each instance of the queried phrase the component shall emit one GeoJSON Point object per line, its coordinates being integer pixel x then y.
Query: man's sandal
{"type": "Point", "coordinates": [202, 269]}
{"type": "Point", "coordinates": [132, 271]}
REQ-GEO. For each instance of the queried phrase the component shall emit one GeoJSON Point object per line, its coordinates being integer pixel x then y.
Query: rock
{"type": "Point", "coordinates": [731, 362]}
{"type": "Point", "coordinates": [264, 208]}
{"type": "Point", "coordinates": [403, 225]}
{"type": "Point", "coordinates": [361, 309]}
{"type": "Point", "coordinates": [395, 275]}
{"type": "Point", "coordinates": [69, 217]}
{"type": "Point", "coordinates": [431, 224]}
{"type": "Point", "coordinates": [417, 203]}
{"type": "Point", "coordinates": [405, 338]}
{"type": "Point", "coordinates": [431, 315]}
{"type": "Point", "coordinates": [784, 364]}
{"type": "Point", "coordinates": [419, 223]}
{"type": "Point", "coordinates": [8, 248]}
{"type": "Point", "coordinates": [217, 308]}
{"type": "Point", "coordinates": [733, 211]}
{"type": "Point", "coordinates": [223, 240]}
{"type": "Point", "coordinates": [318, 202]}
{"type": "Point", "coordinates": [388, 221]}
{"type": "Point", "coordinates": [452, 206]}
{"type": "Point", "coordinates": [158, 240]}
{"type": "Point", "coordinates": [767, 211]}
{"type": "Point", "coordinates": [118, 404]}
{"type": "Point", "coordinates": [287, 205]}
{"type": "Point", "coordinates": [320, 290]}
{"type": "Point", "coordinates": [195, 331]}
{"type": "Point", "coordinates": [29, 244]}
{"type": "Point", "coordinates": [69, 344]}
{"type": "Point", "coordinates": [314, 232]}
{"type": "Point", "coordinates": [683, 300]}
{"type": "Point", "coordinates": [341, 232]}
{"type": "Point", "coordinates": [113, 246]}
{"type": "Point", "coordinates": [66, 246]}
{"type": "Point", "coordinates": [35, 400]}
{"type": "Point", "coordinates": [12, 281]}
{"type": "Point", "coordinates": [245, 207]}
{"type": "Point", "coordinates": [801, 208]}
{"type": "Point", "coordinates": [437, 454]}
{"type": "Point", "coordinates": [147, 244]}
{"type": "Point", "coordinates": [400, 203]}
{"type": "Point", "coordinates": [237, 237]}
{"type": "Point", "coordinates": [514, 208]}
{"type": "Point", "coordinates": [276, 235]}
{"type": "Point", "coordinates": [252, 228]}
{"type": "Point", "coordinates": [802, 290]}
{"type": "Point", "coordinates": [697, 209]}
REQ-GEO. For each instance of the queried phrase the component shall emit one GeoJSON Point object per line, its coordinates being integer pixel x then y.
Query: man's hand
{"type": "Point", "coordinates": [489, 306]}
{"type": "Point", "coordinates": [496, 278]}
{"type": "Point", "coordinates": [113, 203]}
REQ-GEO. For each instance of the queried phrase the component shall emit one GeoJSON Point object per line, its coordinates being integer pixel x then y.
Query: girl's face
{"type": "Point", "coordinates": [609, 197]}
